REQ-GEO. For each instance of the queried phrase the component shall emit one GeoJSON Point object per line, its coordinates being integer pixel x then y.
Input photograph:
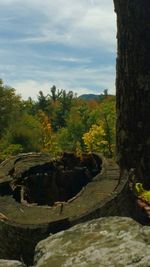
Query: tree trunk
{"type": "Point", "coordinates": [133, 86]}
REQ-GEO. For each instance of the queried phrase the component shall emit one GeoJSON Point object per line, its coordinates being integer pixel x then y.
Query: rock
{"type": "Point", "coordinates": [9, 263]}
{"type": "Point", "coordinates": [112, 241]}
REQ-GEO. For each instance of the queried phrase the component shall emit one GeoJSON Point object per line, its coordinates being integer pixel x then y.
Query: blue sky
{"type": "Point", "coordinates": [69, 43]}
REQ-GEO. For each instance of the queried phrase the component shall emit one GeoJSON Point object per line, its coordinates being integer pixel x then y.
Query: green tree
{"type": "Point", "coordinates": [26, 132]}
{"type": "Point", "coordinates": [61, 109]}
{"type": "Point", "coordinates": [55, 94]}
{"type": "Point", "coordinates": [28, 106]}
{"type": "Point", "coordinates": [69, 135]}
{"type": "Point", "coordinates": [44, 103]}
{"type": "Point", "coordinates": [10, 104]}
{"type": "Point", "coordinates": [108, 118]}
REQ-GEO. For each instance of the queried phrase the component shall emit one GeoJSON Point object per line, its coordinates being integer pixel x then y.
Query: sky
{"type": "Point", "coordinates": [67, 43]}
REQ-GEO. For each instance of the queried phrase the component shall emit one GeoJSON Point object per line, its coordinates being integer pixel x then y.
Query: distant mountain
{"type": "Point", "coordinates": [100, 97]}
{"type": "Point", "coordinates": [89, 97]}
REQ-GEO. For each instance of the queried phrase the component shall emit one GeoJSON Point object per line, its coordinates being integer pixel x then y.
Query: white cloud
{"type": "Point", "coordinates": [30, 88]}
{"type": "Point", "coordinates": [67, 29]}
{"type": "Point", "coordinates": [75, 23]}
{"type": "Point", "coordinates": [79, 80]}
{"type": "Point", "coordinates": [8, 2]}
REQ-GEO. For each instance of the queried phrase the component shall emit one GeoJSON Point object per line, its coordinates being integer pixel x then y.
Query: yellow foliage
{"type": "Point", "coordinates": [78, 150]}
{"type": "Point", "coordinates": [49, 139]}
{"type": "Point", "coordinates": [139, 191]}
{"type": "Point", "coordinates": [94, 140]}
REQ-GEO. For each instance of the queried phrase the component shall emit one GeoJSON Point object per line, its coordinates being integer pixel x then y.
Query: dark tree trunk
{"type": "Point", "coordinates": [133, 86]}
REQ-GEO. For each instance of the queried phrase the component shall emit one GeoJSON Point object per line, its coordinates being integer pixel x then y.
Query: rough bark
{"type": "Point", "coordinates": [133, 86]}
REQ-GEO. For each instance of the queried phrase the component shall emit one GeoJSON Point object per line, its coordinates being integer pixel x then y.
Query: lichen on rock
{"type": "Point", "coordinates": [9, 263]}
{"type": "Point", "coordinates": [112, 241]}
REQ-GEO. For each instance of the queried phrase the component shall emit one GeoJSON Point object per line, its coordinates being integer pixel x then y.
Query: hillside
{"type": "Point", "coordinates": [89, 97]}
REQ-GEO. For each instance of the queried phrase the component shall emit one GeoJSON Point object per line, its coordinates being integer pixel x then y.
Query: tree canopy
{"type": "Point", "coordinates": [55, 122]}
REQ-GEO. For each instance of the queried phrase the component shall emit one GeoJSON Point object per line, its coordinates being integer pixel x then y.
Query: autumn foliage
{"type": "Point", "coordinates": [56, 122]}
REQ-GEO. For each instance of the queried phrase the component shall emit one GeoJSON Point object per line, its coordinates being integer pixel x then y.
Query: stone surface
{"type": "Point", "coordinates": [8, 263]}
{"type": "Point", "coordinates": [112, 241]}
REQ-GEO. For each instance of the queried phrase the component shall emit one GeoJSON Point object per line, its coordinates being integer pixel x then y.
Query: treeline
{"type": "Point", "coordinates": [55, 122]}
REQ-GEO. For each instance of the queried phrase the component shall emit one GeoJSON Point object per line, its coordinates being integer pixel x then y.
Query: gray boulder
{"type": "Point", "coordinates": [9, 263]}
{"type": "Point", "coordinates": [111, 241]}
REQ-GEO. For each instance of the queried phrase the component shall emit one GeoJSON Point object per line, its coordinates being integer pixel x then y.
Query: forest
{"type": "Point", "coordinates": [117, 198]}
{"type": "Point", "coordinates": [57, 122]}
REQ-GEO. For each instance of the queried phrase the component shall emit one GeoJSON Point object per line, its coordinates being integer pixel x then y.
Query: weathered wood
{"type": "Point", "coordinates": [35, 177]}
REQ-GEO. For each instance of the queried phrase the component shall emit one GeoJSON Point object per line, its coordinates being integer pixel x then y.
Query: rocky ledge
{"type": "Point", "coordinates": [8, 263]}
{"type": "Point", "coordinates": [112, 241]}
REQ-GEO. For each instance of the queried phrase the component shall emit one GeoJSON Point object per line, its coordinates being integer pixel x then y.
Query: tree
{"type": "Point", "coordinates": [9, 106]}
{"type": "Point", "coordinates": [55, 94]}
{"type": "Point", "coordinates": [62, 108]}
{"type": "Point", "coordinates": [29, 106]}
{"type": "Point", "coordinates": [43, 103]}
{"type": "Point", "coordinates": [94, 140]}
{"type": "Point", "coordinates": [133, 86]}
{"type": "Point", "coordinates": [24, 133]}
{"type": "Point", "coordinates": [105, 92]}
{"type": "Point", "coordinates": [108, 118]}
{"type": "Point", "coordinates": [49, 142]}
{"type": "Point", "coordinates": [70, 136]}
